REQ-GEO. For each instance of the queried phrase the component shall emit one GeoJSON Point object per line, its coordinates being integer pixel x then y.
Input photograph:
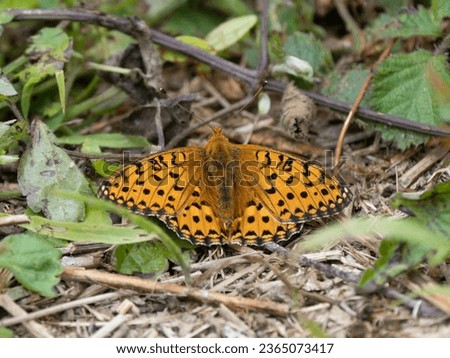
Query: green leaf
{"type": "Point", "coordinates": [408, 231]}
{"type": "Point", "coordinates": [440, 8]}
{"type": "Point", "coordinates": [144, 223]}
{"type": "Point", "coordinates": [393, 6]}
{"type": "Point", "coordinates": [3, 129]}
{"type": "Point", "coordinates": [50, 44]}
{"type": "Point", "coordinates": [295, 67]}
{"type": "Point", "coordinates": [109, 140]}
{"type": "Point", "coordinates": [173, 56]}
{"type": "Point", "coordinates": [231, 7]}
{"type": "Point", "coordinates": [8, 159]}
{"type": "Point", "coordinates": [431, 208]}
{"type": "Point", "coordinates": [95, 228]}
{"type": "Point", "coordinates": [33, 261]}
{"type": "Point", "coordinates": [404, 86]}
{"type": "Point", "coordinates": [143, 257]}
{"type": "Point", "coordinates": [6, 333]}
{"type": "Point", "coordinates": [11, 134]}
{"type": "Point", "coordinates": [407, 241]}
{"type": "Point", "coordinates": [407, 24]}
{"type": "Point", "coordinates": [50, 48]}
{"type": "Point", "coordinates": [17, 4]}
{"type": "Point", "coordinates": [309, 49]}
{"type": "Point", "coordinates": [346, 86]}
{"type": "Point", "coordinates": [4, 19]}
{"type": "Point", "coordinates": [198, 23]}
{"type": "Point", "coordinates": [146, 257]}
{"type": "Point", "coordinates": [6, 88]}
{"type": "Point", "coordinates": [44, 167]}
{"type": "Point", "coordinates": [59, 75]}
{"type": "Point", "coordinates": [230, 32]}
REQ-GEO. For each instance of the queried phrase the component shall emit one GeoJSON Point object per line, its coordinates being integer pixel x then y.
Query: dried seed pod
{"type": "Point", "coordinates": [298, 112]}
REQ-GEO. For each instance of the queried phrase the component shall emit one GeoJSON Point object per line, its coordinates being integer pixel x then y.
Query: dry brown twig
{"type": "Point", "coordinates": [155, 287]}
{"type": "Point", "coordinates": [359, 98]}
{"type": "Point", "coordinates": [25, 317]}
{"type": "Point", "coordinates": [34, 328]}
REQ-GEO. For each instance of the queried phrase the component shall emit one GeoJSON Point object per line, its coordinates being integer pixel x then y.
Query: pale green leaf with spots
{"type": "Point", "coordinates": [44, 167]}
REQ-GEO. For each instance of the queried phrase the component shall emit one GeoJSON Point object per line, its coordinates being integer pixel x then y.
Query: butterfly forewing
{"type": "Point", "coordinates": [294, 189]}
{"type": "Point", "coordinates": [161, 184]}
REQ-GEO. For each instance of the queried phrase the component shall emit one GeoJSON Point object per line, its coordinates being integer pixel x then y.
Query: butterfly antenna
{"type": "Point", "coordinates": [260, 89]}
{"type": "Point", "coordinates": [246, 104]}
{"type": "Point", "coordinates": [164, 92]}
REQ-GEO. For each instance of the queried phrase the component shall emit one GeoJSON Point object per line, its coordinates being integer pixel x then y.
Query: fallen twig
{"type": "Point", "coordinates": [59, 308]}
{"type": "Point", "coordinates": [34, 328]}
{"type": "Point", "coordinates": [14, 220]}
{"type": "Point", "coordinates": [155, 287]}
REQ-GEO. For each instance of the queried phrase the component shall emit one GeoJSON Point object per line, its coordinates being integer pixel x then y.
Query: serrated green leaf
{"type": "Point", "coordinates": [440, 8]}
{"type": "Point", "coordinates": [49, 49]}
{"type": "Point", "coordinates": [44, 167]}
{"type": "Point", "coordinates": [432, 208]}
{"type": "Point", "coordinates": [108, 140]}
{"type": "Point", "coordinates": [6, 88]}
{"type": "Point", "coordinates": [346, 86]}
{"type": "Point", "coordinates": [33, 261]}
{"type": "Point", "coordinates": [230, 32]}
{"type": "Point", "coordinates": [393, 6]}
{"type": "Point", "coordinates": [309, 49]}
{"type": "Point", "coordinates": [404, 86]}
{"type": "Point", "coordinates": [407, 24]}
{"type": "Point", "coordinates": [50, 43]}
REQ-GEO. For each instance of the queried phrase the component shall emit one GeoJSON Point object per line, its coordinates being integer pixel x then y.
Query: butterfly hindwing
{"type": "Point", "coordinates": [198, 223]}
{"type": "Point", "coordinates": [257, 226]}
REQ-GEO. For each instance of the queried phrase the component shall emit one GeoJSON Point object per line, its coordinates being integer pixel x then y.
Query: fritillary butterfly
{"type": "Point", "coordinates": [227, 193]}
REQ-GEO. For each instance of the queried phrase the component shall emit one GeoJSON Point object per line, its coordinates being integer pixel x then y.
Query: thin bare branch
{"type": "Point", "coordinates": [130, 26]}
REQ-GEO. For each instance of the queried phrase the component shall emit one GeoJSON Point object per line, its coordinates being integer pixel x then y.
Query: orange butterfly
{"type": "Point", "coordinates": [227, 193]}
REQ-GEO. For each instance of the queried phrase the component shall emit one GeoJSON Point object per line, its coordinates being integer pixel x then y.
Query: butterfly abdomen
{"type": "Point", "coordinates": [220, 170]}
